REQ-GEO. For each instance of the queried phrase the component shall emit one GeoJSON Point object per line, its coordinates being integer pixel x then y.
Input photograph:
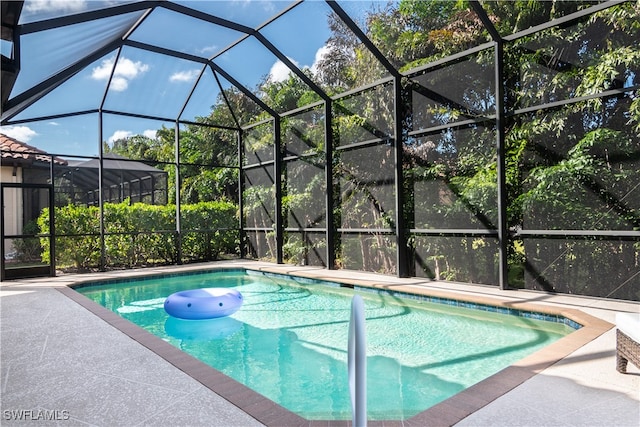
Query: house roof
{"type": "Point", "coordinates": [116, 170]}
{"type": "Point", "coordinates": [17, 152]}
{"type": "Point", "coordinates": [113, 161]}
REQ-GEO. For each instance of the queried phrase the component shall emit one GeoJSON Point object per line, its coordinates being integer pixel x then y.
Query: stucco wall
{"type": "Point", "coordinates": [12, 209]}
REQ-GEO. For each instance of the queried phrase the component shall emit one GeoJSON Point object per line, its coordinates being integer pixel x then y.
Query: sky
{"type": "Point", "coordinates": [148, 83]}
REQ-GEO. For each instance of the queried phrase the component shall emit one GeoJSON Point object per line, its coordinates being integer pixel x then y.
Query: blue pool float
{"type": "Point", "coordinates": [203, 303]}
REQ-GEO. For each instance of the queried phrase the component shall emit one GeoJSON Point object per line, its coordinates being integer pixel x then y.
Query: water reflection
{"type": "Point", "coordinates": [201, 330]}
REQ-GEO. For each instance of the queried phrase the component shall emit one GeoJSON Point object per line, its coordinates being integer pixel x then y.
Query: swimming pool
{"type": "Point", "coordinates": [288, 342]}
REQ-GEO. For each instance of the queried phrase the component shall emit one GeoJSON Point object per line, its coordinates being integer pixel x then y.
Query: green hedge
{"type": "Point", "coordinates": [140, 234]}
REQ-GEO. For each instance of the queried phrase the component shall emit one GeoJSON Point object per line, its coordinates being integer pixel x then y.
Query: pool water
{"type": "Point", "coordinates": [288, 342]}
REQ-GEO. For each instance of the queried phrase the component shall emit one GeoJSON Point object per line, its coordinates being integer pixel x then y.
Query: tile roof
{"type": "Point", "coordinates": [19, 152]}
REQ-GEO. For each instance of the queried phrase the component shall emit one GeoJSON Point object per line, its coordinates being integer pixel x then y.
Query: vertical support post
{"type": "Point", "coordinates": [328, 171]}
{"type": "Point", "coordinates": [399, 140]}
{"type": "Point", "coordinates": [241, 223]}
{"type": "Point", "coordinates": [178, 207]}
{"type": "Point", "coordinates": [2, 240]}
{"type": "Point", "coordinates": [100, 163]}
{"type": "Point", "coordinates": [277, 165]}
{"type": "Point", "coordinates": [103, 250]}
{"type": "Point", "coordinates": [52, 221]}
{"type": "Point", "coordinates": [121, 189]}
{"type": "Point", "coordinates": [153, 190]}
{"type": "Point", "coordinates": [503, 231]}
{"type": "Point", "coordinates": [357, 363]}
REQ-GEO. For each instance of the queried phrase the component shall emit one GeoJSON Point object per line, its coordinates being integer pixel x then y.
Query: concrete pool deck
{"type": "Point", "coordinates": [65, 364]}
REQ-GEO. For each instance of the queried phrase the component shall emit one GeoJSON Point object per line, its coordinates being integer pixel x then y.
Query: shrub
{"type": "Point", "coordinates": [140, 234]}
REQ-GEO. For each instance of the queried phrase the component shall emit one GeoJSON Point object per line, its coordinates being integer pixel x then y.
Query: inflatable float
{"type": "Point", "coordinates": [203, 303]}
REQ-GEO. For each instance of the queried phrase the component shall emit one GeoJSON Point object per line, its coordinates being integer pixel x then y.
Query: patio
{"type": "Point", "coordinates": [61, 361]}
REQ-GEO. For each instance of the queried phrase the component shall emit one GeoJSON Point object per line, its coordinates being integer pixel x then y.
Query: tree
{"type": "Point", "coordinates": [574, 167]}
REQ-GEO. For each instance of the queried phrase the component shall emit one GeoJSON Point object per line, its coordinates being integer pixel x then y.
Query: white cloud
{"type": "Point", "coordinates": [20, 133]}
{"type": "Point", "coordinates": [320, 54]}
{"type": "Point", "coordinates": [128, 69]}
{"type": "Point", "coordinates": [280, 72]}
{"type": "Point", "coordinates": [119, 134]}
{"type": "Point", "coordinates": [125, 71]}
{"type": "Point", "coordinates": [266, 5]}
{"type": "Point", "coordinates": [119, 84]}
{"type": "Point", "coordinates": [150, 133]}
{"type": "Point", "coordinates": [47, 6]}
{"type": "Point", "coordinates": [103, 71]}
{"type": "Point", "coordinates": [184, 76]}
{"type": "Point", "coordinates": [124, 134]}
{"type": "Point", "coordinates": [209, 49]}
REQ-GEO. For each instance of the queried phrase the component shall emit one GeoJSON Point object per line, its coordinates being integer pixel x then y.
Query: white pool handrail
{"type": "Point", "coordinates": [357, 363]}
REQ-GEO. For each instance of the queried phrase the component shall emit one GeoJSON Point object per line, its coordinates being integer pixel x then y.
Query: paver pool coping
{"type": "Point", "coordinates": [448, 412]}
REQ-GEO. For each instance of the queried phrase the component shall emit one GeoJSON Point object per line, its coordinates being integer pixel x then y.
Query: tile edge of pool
{"type": "Point", "coordinates": [449, 412]}
{"type": "Point", "coordinates": [572, 318]}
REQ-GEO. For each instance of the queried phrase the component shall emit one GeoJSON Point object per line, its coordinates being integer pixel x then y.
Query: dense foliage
{"type": "Point", "coordinates": [140, 234]}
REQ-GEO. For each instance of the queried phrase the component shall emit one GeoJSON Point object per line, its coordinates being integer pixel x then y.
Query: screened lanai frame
{"type": "Point", "coordinates": [403, 229]}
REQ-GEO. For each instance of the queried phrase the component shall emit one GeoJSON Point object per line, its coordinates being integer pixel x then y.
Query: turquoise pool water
{"type": "Point", "coordinates": [289, 341]}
